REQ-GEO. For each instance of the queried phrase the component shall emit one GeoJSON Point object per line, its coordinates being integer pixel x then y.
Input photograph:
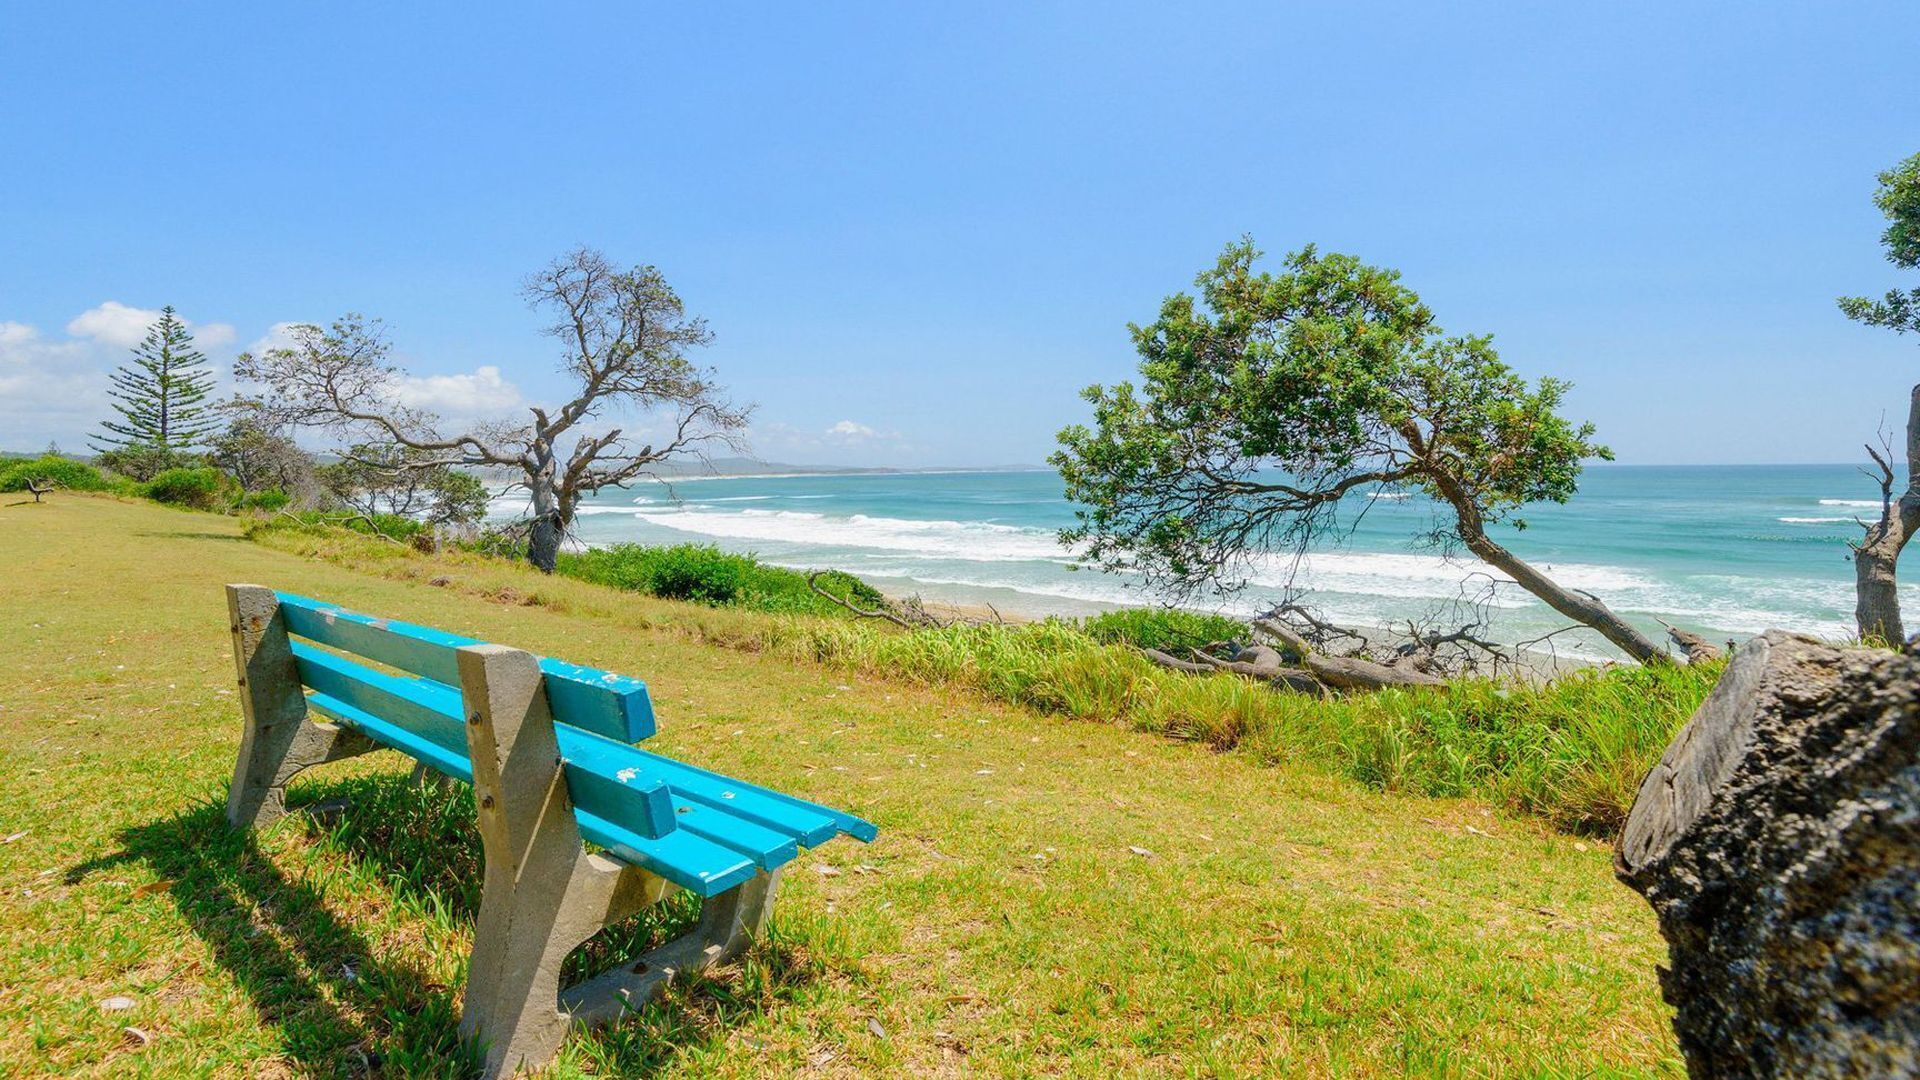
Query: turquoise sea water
{"type": "Point", "coordinates": [1726, 550]}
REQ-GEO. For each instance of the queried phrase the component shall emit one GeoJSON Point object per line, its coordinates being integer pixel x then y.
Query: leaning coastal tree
{"type": "Point", "coordinates": [626, 340]}
{"type": "Point", "coordinates": [1274, 397]}
{"type": "Point", "coordinates": [1876, 555]}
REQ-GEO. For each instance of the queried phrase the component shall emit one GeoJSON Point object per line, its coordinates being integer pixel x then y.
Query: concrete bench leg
{"type": "Point", "coordinates": [543, 894]}
{"type": "Point", "coordinates": [279, 740]}
{"type": "Point", "coordinates": [728, 923]}
{"type": "Point", "coordinates": [427, 777]}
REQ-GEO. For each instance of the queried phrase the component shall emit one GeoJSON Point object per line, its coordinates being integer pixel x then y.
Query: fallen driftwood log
{"type": "Point", "coordinates": [1698, 649]}
{"type": "Point", "coordinates": [1258, 667]}
{"type": "Point", "coordinates": [1344, 672]}
{"type": "Point", "coordinates": [1778, 840]}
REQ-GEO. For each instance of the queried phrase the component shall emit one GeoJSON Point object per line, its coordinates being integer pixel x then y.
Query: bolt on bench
{"type": "Point", "coordinates": [547, 748]}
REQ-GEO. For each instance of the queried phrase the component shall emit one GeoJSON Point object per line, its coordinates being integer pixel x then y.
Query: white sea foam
{"type": "Point", "coordinates": [968, 540]}
{"type": "Point", "coordinates": [1416, 576]}
{"type": "Point", "coordinates": [1850, 502]}
{"type": "Point", "coordinates": [1811, 520]}
{"type": "Point", "coordinates": [592, 509]}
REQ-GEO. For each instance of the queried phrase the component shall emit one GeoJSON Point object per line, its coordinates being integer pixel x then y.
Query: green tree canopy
{"type": "Point", "coordinates": [1272, 398]}
{"type": "Point", "coordinates": [1899, 199]}
{"type": "Point", "coordinates": [161, 395]}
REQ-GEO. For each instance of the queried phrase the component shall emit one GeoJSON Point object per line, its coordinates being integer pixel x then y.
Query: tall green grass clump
{"type": "Point", "coordinates": [704, 574]}
{"type": "Point", "coordinates": [1166, 629]}
{"type": "Point", "coordinates": [66, 472]}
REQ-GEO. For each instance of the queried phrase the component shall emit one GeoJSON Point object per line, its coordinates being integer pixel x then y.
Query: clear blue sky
{"type": "Point", "coordinates": [927, 226]}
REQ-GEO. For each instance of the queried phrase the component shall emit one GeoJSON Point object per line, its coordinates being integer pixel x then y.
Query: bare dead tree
{"type": "Point", "coordinates": [625, 341]}
{"type": "Point", "coordinates": [1876, 556]}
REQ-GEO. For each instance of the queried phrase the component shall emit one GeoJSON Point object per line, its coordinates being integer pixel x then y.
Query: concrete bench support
{"type": "Point", "coordinates": [279, 739]}
{"type": "Point", "coordinates": [544, 895]}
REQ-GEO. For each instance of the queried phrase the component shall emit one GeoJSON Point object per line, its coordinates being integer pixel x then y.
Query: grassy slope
{"type": "Point", "coordinates": [1286, 921]}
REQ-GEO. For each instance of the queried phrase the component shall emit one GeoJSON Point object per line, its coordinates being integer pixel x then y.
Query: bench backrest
{"type": "Point", "coordinates": [583, 697]}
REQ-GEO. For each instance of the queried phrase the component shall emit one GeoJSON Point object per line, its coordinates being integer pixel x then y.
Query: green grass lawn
{"type": "Point", "coordinates": [1285, 920]}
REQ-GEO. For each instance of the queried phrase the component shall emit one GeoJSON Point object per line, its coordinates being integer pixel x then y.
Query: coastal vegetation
{"type": "Point", "coordinates": [16, 474]}
{"type": "Point", "coordinates": [704, 574]}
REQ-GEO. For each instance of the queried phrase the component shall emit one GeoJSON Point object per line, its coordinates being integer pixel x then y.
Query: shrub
{"type": "Point", "coordinates": [1166, 629]}
{"type": "Point", "coordinates": [704, 574]}
{"type": "Point", "coordinates": [66, 472]}
{"type": "Point", "coordinates": [145, 463]}
{"type": "Point", "coordinates": [269, 500]}
{"type": "Point", "coordinates": [203, 488]}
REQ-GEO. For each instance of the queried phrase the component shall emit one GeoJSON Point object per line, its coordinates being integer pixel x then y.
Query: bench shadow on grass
{"type": "Point", "coordinates": [346, 1005]}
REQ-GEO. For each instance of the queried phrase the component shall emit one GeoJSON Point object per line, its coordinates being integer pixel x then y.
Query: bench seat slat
{"type": "Point", "coordinates": [599, 701]}
{"type": "Point", "coordinates": [811, 823]}
{"type": "Point", "coordinates": [692, 862]}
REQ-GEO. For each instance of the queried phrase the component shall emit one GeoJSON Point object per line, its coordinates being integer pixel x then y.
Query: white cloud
{"type": "Point", "coordinates": [120, 326]}
{"type": "Point", "coordinates": [48, 389]}
{"type": "Point", "coordinates": [851, 430]}
{"type": "Point", "coordinates": [845, 442]}
{"type": "Point", "coordinates": [278, 336]}
{"type": "Point", "coordinates": [481, 393]}
{"type": "Point", "coordinates": [113, 323]}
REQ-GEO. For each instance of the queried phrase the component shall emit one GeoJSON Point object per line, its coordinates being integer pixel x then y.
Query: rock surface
{"type": "Point", "coordinates": [1778, 840]}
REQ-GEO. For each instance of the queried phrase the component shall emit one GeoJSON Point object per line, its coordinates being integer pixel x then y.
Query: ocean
{"type": "Point", "coordinates": [1724, 550]}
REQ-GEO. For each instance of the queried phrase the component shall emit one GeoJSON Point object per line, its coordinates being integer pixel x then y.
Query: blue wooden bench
{"type": "Point", "coordinates": [547, 746]}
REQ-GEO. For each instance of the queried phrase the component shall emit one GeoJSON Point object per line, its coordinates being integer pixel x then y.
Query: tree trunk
{"type": "Point", "coordinates": [1345, 672]}
{"type": "Point", "coordinates": [1698, 649]}
{"type": "Point", "coordinates": [1582, 608]}
{"type": "Point", "coordinates": [549, 524]}
{"type": "Point", "coordinates": [543, 544]}
{"type": "Point", "coordinates": [1876, 590]}
{"type": "Point", "coordinates": [1776, 841]}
